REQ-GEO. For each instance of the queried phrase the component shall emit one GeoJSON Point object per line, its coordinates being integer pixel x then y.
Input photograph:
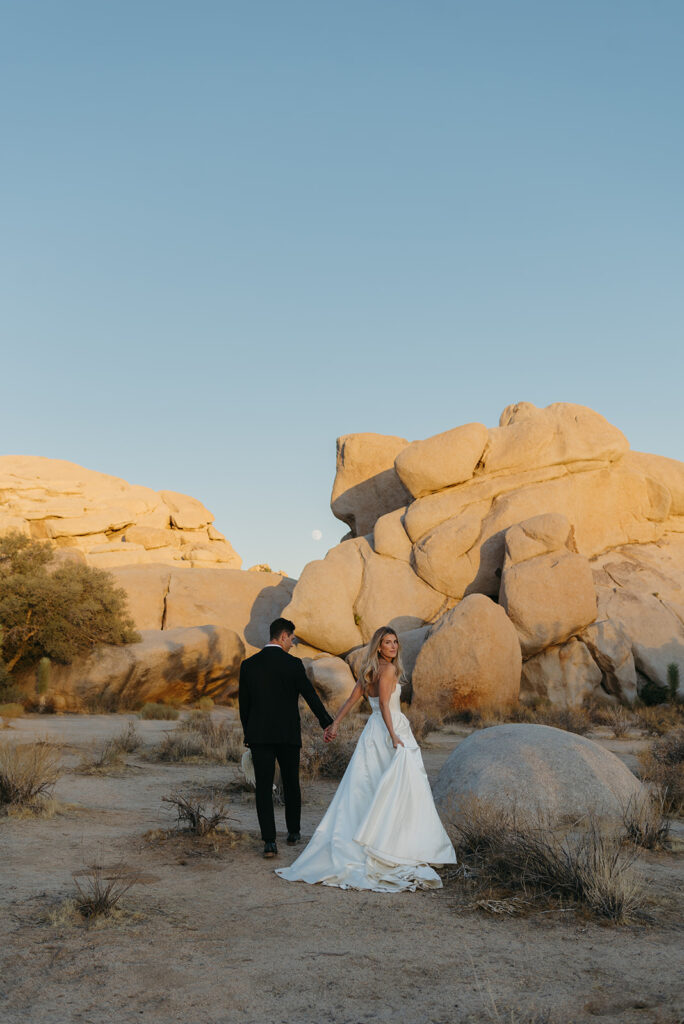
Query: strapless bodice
{"type": "Point", "coordinates": [395, 701]}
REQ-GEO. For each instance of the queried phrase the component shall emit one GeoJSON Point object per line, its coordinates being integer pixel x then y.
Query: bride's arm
{"type": "Point", "coordinates": [386, 684]}
{"type": "Point", "coordinates": [331, 731]}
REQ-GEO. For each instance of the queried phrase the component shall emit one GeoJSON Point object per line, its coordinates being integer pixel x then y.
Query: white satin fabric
{"type": "Point", "coordinates": [381, 830]}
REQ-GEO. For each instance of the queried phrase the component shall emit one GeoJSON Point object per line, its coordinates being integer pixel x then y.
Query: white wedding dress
{"type": "Point", "coordinates": [381, 830]}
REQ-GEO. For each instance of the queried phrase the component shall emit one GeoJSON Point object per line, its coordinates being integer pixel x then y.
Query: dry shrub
{"type": "Point", "coordinates": [101, 759]}
{"type": "Point", "coordinates": [111, 753]}
{"type": "Point", "coordinates": [526, 855]}
{"type": "Point", "coordinates": [646, 823]}
{"type": "Point", "coordinates": [572, 719]}
{"type": "Point", "coordinates": [99, 888]}
{"type": "Point", "coordinates": [205, 703]}
{"type": "Point", "coordinates": [422, 723]}
{"type": "Point", "coordinates": [663, 765]}
{"type": "Point", "coordinates": [12, 710]}
{"type": "Point", "coordinates": [194, 817]}
{"type": "Point", "coordinates": [28, 773]}
{"type": "Point", "coordinates": [159, 712]}
{"type": "Point", "coordinates": [199, 737]}
{"type": "Point", "coordinates": [129, 739]}
{"type": "Point", "coordinates": [660, 719]}
{"type": "Point", "coordinates": [178, 746]}
{"type": "Point", "coordinates": [618, 720]}
{"type": "Point", "coordinates": [319, 759]}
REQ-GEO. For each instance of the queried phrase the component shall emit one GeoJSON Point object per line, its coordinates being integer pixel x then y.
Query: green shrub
{"type": "Point", "coordinates": [162, 712]}
{"type": "Point", "coordinates": [56, 614]}
{"type": "Point", "coordinates": [205, 703]}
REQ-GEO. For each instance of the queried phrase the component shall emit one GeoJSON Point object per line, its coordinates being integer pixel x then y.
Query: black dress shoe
{"type": "Point", "coordinates": [270, 849]}
{"type": "Point", "coordinates": [293, 837]}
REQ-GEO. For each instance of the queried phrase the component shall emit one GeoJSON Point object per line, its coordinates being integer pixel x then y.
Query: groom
{"type": "Point", "coordinates": [271, 683]}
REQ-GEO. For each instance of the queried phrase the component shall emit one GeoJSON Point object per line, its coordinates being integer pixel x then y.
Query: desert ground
{"type": "Point", "coordinates": [213, 936]}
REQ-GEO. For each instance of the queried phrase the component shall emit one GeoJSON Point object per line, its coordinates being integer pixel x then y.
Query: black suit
{"type": "Point", "coordinates": [271, 683]}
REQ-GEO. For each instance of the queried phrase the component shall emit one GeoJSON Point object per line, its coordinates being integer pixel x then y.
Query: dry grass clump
{"type": "Point", "coordinates": [28, 773]}
{"type": "Point", "coordinates": [571, 719]}
{"type": "Point", "coordinates": [99, 888]}
{"type": "Point", "coordinates": [199, 737]}
{"type": "Point", "coordinates": [12, 710]}
{"type": "Point", "coordinates": [646, 823]}
{"type": "Point", "coordinates": [159, 712]}
{"type": "Point", "coordinates": [663, 765]}
{"type": "Point", "coordinates": [422, 723]}
{"type": "Point", "coordinates": [319, 759]}
{"type": "Point", "coordinates": [619, 721]}
{"type": "Point", "coordinates": [129, 739]}
{"type": "Point", "coordinates": [526, 856]}
{"type": "Point", "coordinates": [101, 759]}
{"type": "Point", "coordinates": [661, 718]}
{"type": "Point", "coordinates": [194, 817]}
{"type": "Point", "coordinates": [178, 746]}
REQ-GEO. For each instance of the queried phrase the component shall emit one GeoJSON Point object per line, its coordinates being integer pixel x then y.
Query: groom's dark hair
{"type": "Point", "coordinates": [279, 626]}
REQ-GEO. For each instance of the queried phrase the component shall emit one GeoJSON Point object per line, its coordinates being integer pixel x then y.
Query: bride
{"type": "Point", "coordinates": [382, 830]}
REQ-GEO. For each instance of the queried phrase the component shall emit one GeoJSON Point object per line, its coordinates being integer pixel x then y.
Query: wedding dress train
{"type": "Point", "coordinates": [381, 830]}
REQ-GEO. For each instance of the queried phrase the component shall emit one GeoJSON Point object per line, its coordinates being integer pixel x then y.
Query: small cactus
{"type": "Point", "coordinates": [673, 680]}
{"type": "Point", "coordinates": [43, 676]}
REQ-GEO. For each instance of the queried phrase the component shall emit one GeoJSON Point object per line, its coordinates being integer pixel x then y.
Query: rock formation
{"type": "Point", "coordinates": [535, 770]}
{"type": "Point", "coordinates": [109, 522]}
{"type": "Point", "coordinates": [182, 664]}
{"type": "Point", "coordinates": [578, 539]}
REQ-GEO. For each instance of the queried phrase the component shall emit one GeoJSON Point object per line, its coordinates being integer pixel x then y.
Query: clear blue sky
{"type": "Point", "coordinates": [233, 231]}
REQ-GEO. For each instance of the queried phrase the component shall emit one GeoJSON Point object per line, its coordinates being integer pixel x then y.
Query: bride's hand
{"type": "Point", "coordinates": [396, 742]}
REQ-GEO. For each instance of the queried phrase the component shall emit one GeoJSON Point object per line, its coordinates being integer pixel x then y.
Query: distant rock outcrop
{"type": "Point", "coordinates": [110, 522]}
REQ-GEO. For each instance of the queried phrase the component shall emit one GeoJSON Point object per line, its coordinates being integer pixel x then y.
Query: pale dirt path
{"type": "Point", "coordinates": [220, 939]}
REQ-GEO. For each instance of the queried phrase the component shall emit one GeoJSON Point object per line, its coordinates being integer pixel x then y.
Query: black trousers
{"type": "Point", "coordinates": [264, 756]}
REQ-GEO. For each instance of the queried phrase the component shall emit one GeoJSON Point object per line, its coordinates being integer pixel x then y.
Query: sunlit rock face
{"type": "Point", "coordinates": [110, 522]}
{"type": "Point", "coordinates": [549, 514]}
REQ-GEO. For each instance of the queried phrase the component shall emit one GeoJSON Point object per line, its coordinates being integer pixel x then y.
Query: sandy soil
{"type": "Point", "coordinates": [218, 938]}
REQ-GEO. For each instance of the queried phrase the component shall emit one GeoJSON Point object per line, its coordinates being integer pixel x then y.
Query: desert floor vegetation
{"type": "Point", "coordinates": [662, 764]}
{"type": "Point", "coordinates": [516, 862]}
{"type": "Point", "coordinates": [218, 938]}
{"type": "Point", "coordinates": [158, 711]}
{"type": "Point", "coordinates": [28, 774]}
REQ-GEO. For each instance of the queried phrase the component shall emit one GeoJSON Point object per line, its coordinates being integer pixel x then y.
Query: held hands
{"type": "Point", "coordinates": [330, 733]}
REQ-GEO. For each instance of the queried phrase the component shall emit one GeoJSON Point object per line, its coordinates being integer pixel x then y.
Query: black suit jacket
{"type": "Point", "coordinates": [271, 683]}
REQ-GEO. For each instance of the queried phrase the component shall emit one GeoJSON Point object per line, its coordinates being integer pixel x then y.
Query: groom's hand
{"type": "Point", "coordinates": [330, 733]}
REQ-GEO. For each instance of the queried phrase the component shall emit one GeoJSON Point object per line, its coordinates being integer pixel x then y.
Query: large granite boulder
{"type": "Point", "coordinates": [160, 597]}
{"type": "Point", "coordinates": [535, 771]}
{"type": "Point", "coordinates": [471, 659]}
{"type": "Point", "coordinates": [172, 664]}
{"type": "Point", "coordinates": [565, 674]}
{"type": "Point", "coordinates": [323, 600]}
{"type": "Point", "coordinates": [442, 460]}
{"type": "Point", "coordinates": [366, 482]}
{"type": "Point", "coordinates": [331, 678]}
{"type": "Point", "coordinates": [559, 434]}
{"type": "Point", "coordinates": [546, 590]}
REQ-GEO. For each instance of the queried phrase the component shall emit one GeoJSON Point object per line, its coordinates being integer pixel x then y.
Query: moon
{"type": "Point", "coordinates": [316, 534]}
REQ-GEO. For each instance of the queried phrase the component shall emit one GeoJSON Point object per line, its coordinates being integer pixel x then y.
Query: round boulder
{"type": "Point", "coordinates": [471, 659]}
{"type": "Point", "coordinates": [536, 771]}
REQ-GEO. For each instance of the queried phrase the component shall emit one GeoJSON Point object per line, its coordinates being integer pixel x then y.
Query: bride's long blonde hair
{"type": "Point", "coordinates": [371, 663]}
